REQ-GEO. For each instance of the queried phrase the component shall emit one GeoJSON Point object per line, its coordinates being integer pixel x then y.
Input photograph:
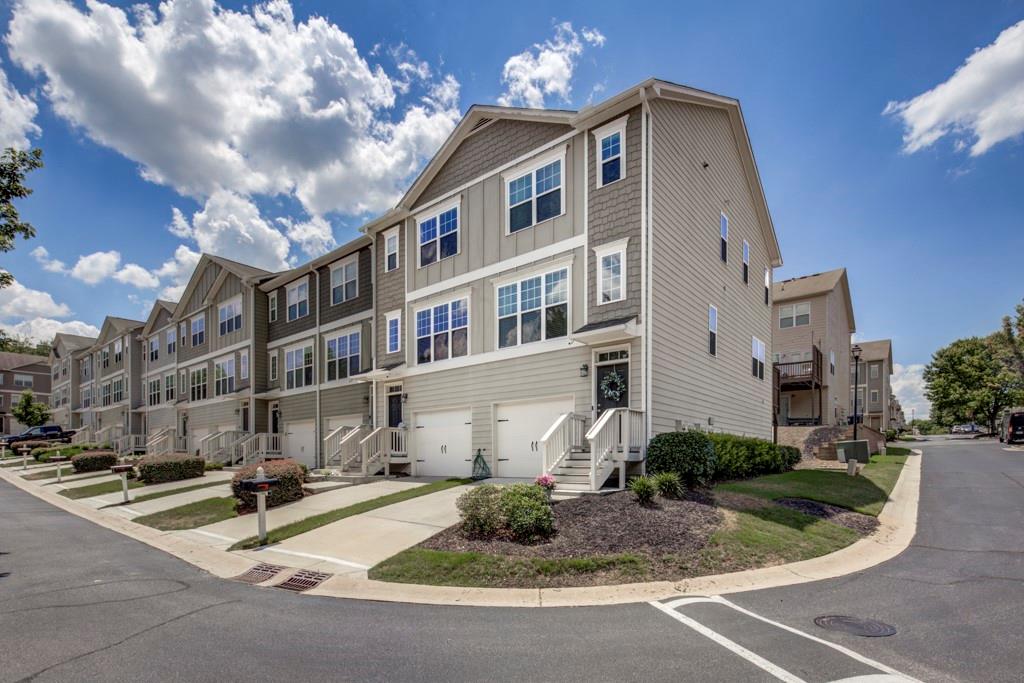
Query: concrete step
{"type": "Point", "coordinates": [314, 487]}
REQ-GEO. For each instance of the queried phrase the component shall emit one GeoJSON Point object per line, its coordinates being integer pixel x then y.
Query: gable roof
{"type": "Point", "coordinates": [9, 360]}
{"type": "Point", "coordinates": [246, 273]}
{"type": "Point", "coordinates": [879, 349]}
{"type": "Point", "coordinates": [154, 314]}
{"type": "Point", "coordinates": [71, 342]}
{"type": "Point", "coordinates": [330, 257]}
{"type": "Point", "coordinates": [817, 284]}
{"type": "Point", "coordinates": [114, 326]}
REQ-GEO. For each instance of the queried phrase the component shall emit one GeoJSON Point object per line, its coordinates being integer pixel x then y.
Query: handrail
{"type": "Point", "coordinates": [377, 447]}
{"type": "Point", "coordinates": [332, 443]}
{"type": "Point", "coordinates": [566, 433]}
{"type": "Point", "coordinates": [129, 443]}
{"type": "Point", "coordinates": [161, 443]}
{"type": "Point", "coordinates": [258, 446]}
{"type": "Point", "coordinates": [617, 431]}
{"type": "Point", "coordinates": [349, 450]}
{"type": "Point", "coordinates": [83, 435]}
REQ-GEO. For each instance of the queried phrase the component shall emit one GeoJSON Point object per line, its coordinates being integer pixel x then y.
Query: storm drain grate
{"type": "Point", "coordinates": [869, 628]}
{"type": "Point", "coordinates": [303, 580]}
{"type": "Point", "coordinates": [260, 573]}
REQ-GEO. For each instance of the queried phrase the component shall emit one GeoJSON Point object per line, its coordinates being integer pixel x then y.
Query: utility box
{"type": "Point", "coordinates": [858, 450]}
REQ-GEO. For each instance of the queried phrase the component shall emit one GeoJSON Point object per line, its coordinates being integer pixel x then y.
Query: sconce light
{"type": "Point", "coordinates": [405, 397]}
{"type": "Point", "coordinates": [584, 370]}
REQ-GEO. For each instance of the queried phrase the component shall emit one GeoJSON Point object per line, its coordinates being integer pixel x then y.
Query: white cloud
{"type": "Point", "coordinates": [980, 105]}
{"type": "Point", "coordinates": [176, 271]}
{"type": "Point", "coordinates": [96, 267]}
{"type": "Point", "coordinates": [546, 68]}
{"type": "Point", "coordinates": [137, 276]}
{"type": "Point", "coordinates": [44, 329]}
{"type": "Point", "coordinates": [51, 265]}
{"type": "Point", "coordinates": [208, 99]}
{"type": "Point", "coordinates": [908, 385]}
{"type": "Point", "coordinates": [231, 226]}
{"type": "Point", "coordinates": [315, 236]}
{"type": "Point", "coordinates": [19, 301]}
{"type": "Point", "coordinates": [16, 116]}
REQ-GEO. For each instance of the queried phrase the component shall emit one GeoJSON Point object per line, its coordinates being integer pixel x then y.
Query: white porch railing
{"type": "Point", "coordinates": [377, 448]}
{"type": "Point", "coordinates": [332, 444]}
{"type": "Point", "coordinates": [568, 433]}
{"type": "Point", "coordinates": [217, 447]}
{"type": "Point", "coordinates": [204, 444]}
{"type": "Point", "coordinates": [259, 447]}
{"type": "Point", "coordinates": [85, 434]}
{"type": "Point", "coordinates": [110, 434]}
{"type": "Point", "coordinates": [349, 452]}
{"type": "Point", "coordinates": [179, 444]}
{"type": "Point", "coordinates": [130, 444]}
{"type": "Point", "coordinates": [160, 442]}
{"type": "Point", "coordinates": [617, 433]}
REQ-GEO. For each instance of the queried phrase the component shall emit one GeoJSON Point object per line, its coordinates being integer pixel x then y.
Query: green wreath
{"type": "Point", "coordinates": [613, 386]}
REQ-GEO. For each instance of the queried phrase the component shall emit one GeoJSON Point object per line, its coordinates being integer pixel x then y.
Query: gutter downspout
{"type": "Point", "coordinates": [645, 262]}
{"type": "Point", "coordinates": [317, 428]}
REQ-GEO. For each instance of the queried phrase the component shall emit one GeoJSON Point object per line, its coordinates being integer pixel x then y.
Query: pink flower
{"type": "Point", "coordinates": [545, 481]}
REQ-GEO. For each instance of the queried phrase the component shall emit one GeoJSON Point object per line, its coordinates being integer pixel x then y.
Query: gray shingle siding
{"type": "Point", "coordinates": [363, 302]}
{"type": "Point", "coordinates": [282, 327]}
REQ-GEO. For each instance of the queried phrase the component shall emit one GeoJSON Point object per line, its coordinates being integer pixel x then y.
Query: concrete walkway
{"type": "Point", "coordinates": [77, 481]}
{"type": "Point", "coordinates": [115, 497]}
{"type": "Point", "coordinates": [148, 507]}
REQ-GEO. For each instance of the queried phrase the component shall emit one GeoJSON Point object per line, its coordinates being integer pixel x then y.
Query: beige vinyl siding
{"type": "Point", "coordinates": [159, 417]}
{"type": "Point", "coordinates": [281, 327]}
{"type": "Point", "coordinates": [838, 340]}
{"type": "Point", "coordinates": [390, 296]}
{"type": "Point", "coordinates": [350, 399]}
{"type": "Point", "coordinates": [214, 414]}
{"type": "Point", "coordinates": [258, 359]}
{"type": "Point", "coordinates": [297, 407]}
{"type": "Point", "coordinates": [689, 386]}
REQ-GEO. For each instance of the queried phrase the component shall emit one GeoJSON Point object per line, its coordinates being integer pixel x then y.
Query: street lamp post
{"type": "Point", "coordinates": [856, 385]}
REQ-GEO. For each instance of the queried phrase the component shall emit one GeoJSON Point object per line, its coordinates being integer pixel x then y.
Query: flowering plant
{"type": "Point", "coordinates": [545, 481]}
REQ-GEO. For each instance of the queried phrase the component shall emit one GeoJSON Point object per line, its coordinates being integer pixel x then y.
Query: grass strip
{"type": "Point", "coordinates": [171, 492]}
{"type": "Point", "coordinates": [98, 489]}
{"type": "Point", "coordinates": [897, 450]}
{"type": "Point", "coordinates": [68, 471]}
{"type": "Point", "coordinates": [192, 515]}
{"type": "Point", "coordinates": [316, 521]}
{"type": "Point", "coordinates": [866, 493]}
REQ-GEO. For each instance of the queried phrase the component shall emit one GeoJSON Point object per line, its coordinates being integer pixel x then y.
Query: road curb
{"type": "Point", "coordinates": [896, 529]}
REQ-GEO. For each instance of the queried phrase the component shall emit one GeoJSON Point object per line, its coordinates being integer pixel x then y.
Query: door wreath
{"type": "Point", "coordinates": [613, 386]}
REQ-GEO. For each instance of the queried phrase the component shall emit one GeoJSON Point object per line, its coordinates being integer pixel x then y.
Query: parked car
{"type": "Point", "coordinates": [1011, 429]}
{"type": "Point", "coordinates": [44, 433]}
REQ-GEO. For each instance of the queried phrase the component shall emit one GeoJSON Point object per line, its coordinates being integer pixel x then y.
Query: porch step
{"type": "Point", "coordinates": [314, 487]}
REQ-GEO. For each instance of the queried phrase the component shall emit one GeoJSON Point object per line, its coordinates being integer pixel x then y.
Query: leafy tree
{"type": "Point", "coordinates": [28, 412]}
{"type": "Point", "coordinates": [15, 344]}
{"type": "Point", "coordinates": [1012, 340]}
{"type": "Point", "coordinates": [14, 166]}
{"type": "Point", "coordinates": [968, 380]}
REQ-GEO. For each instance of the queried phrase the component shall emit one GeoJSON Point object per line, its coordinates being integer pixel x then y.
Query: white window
{"type": "Point", "coordinates": [243, 365]}
{"type": "Point", "coordinates": [611, 272]}
{"type": "Point", "coordinates": [874, 371]}
{"type": "Point", "coordinates": [391, 250]}
{"type": "Point", "coordinates": [438, 235]}
{"type": "Point", "coordinates": [712, 330]}
{"type": "Point", "coordinates": [874, 395]}
{"type": "Point", "coordinates": [154, 349]}
{"type": "Point", "coordinates": [298, 300]}
{"type": "Point", "coordinates": [224, 377]}
{"type": "Point", "coordinates": [197, 384]}
{"type": "Point", "coordinates": [229, 316]}
{"type": "Point", "coordinates": [168, 388]}
{"type": "Point", "coordinates": [746, 261]}
{"type": "Point", "coordinates": [723, 227]}
{"type": "Point", "coordinates": [87, 397]}
{"type": "Point", "coordinates": [394, 332]}
{"type": "Point", "coordinates": [105, 394]}
{"type": "Point", "coordinates": [794, 315]}
{"type": "Point", "coordinates": [298, 367]}
{"type": "Point", "coordinates": [118, 390]}
{"type": "Point", "coordinates": [345, 280]}
{"type": "Point", "coordinates": [611, 152]}
{"type": "Point", "coordinates": [273, 366]}
{"type": "Point", "coordinates": [757, 353]}
{"type": "Point", "coordinates": [155, 394]}
{"type": "Point", "coordinates": [183, 381]}
{"type": "Point", "coordinates": [535, 196]}
{"type": "Point", "coordinates": [343, 356]}
{"type": "Point", "coordinates": [442, 331]}
{"type": "Point", "coordinates": [105, 358]}
{"type": "Point", "coordinates": [172, 342]}
{"type": "Point", "coordinates": [533, 309]}
{"type": "Point", "coordinates": [272, 306]}
{"type": "Point", "coordinates": [860, 397]}
{"type": "Point", "coordinates": [118, 350]}
{"type": "Point", "coordinates": [767, 285]}
{"type": "Point", "coordinates": [23, 381]}
{"type": "Point", "coordinates": [832, 362]}
{"type": "Point", "coordinates": [181, 333]}
{"type": "Point", "coordinates": [198, 330]}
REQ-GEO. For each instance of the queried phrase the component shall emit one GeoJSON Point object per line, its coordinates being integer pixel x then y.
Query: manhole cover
{"type": "Point", "coordinates": [303, 580]}
{"type": "Point", "coordinates": [259, 573]}
{"type": "Point", "coordinates": [869, 628]}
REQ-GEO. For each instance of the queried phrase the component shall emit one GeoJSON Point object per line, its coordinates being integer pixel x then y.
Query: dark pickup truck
{"type": "Point", "coordinates": [44, 433]}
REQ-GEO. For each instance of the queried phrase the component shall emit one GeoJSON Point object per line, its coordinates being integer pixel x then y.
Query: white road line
{"type": "Point", "coordinates": [752, 657]}
{"type": "Point", "coordinates": [325, 558]}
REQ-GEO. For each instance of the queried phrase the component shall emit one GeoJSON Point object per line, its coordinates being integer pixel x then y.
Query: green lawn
{"type": "Point", "coordinates": [865, 494]}
{"type": "Point", "coordinates": [171, 492]}
{"type": "Point", "coordinates": [199, 513]}
{"type": "Point", "coordinates": [316, 521]}
{"type": "Point", "coordinates": [68, 471]}
{"type": "Point", "coordinates": [98, 489]}
{"type": "Point", "coordinates": [897, 450]}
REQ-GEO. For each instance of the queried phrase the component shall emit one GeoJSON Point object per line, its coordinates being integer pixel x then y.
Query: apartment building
{"type": "Point", "coordinates": [20, 372]}
{"type": "Point", "coordinates": [874, 389]}
{"type": "Point", "coordinates": [813, 324]}
{"type": "Point", "coordinates": [66, 353]}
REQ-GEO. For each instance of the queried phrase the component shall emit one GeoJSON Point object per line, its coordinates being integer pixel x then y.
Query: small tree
{"type": "Point", "coordinates": [14, 166]}
{"type": "Point", "coordinates": [28, 412]}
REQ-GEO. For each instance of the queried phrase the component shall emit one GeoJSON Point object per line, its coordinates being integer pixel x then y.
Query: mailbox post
{"type": "Point", "coordinates": [123, 470]}
{"type": "Point", "coordinates": [260, 485]}
{"type": "Point", "coordinates": [60, 460]}
{"type": "Point", "coordinates": [24, 459]}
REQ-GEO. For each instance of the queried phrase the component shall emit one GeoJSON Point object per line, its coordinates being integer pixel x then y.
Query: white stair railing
{"type": "Point", "coordinates": [85, 434]}
{"type": "Point", "coordinates": [110, 434]}
{"type": "Point", "coordinates": [217, 446]}
{"type": "Point", "coordinates": [259, 447]}
{"type": "Point", "coordinates": [374, 448]}
{"type": "Point", "coordinates": [130, 444]}
{"type": "Point", "coordinates": [568, 433]}
{"type": "Point", "coordinates": [332, 444]}
{"type": "Point", "coordinates": [161, 442]}
{"type": "Point", "coordinates": [615, 434]}
{"type": "Point", "coordinates": [349, 451]}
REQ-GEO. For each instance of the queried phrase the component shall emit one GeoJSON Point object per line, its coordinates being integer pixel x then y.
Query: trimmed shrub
{"type": "Point", "coordinates": [689, 454]}
{"type": "Point", "coordinates": [43, 454]}
{"type": "Point", "coordinates": [739, 457]}
{"type": "Point", "coordinates": [291, 476]}
{"type": "Point", "coordinates": [29, 446]}
{"type": "Point", "coordinates": [93, 461]}
{"type": "Point", "coordinates": [890, 435]}
{"type": "Point", "coordinates": [164, 468]}
{"type": "Point", "coordinates": [668, 484]}
{"type": "Point", "coordinates": [480, 509]}
{"type": "Point", "coordinates": [528, 517]}
{"type": "Point", "coordinates": [644, 489]}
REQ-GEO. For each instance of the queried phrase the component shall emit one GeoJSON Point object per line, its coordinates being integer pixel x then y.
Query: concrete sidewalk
{"type": "Point", "coordinates": [115, 497]}
{"type": "Point", "coordinates": [148, 507]}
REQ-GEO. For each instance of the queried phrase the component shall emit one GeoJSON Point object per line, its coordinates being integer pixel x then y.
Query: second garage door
{"type": "Point", "coordinates": [520, 427]}
{"type": "Point", "coordinates": [300, 442]}
{"type": "Point", "coordinates": [443, 443]}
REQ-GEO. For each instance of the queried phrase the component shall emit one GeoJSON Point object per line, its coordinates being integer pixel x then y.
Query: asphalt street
{"type": "Point", "coordinates": [79, 602]}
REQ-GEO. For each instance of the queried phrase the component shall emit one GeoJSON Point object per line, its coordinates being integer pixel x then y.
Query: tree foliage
{"type": "Point", "coordinates": [16, 344]}
{"type": "Point", "coordinates": [14, 166]}
{"type": "Point", "coordinates": [28, 412]}
{"type": "Point", "coordinates": [1012, 340]}
{"type": "Point", "coordinates": [971, 380]}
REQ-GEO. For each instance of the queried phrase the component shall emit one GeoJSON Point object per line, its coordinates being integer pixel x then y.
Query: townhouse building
{"type": "Point", "coordinates": [159, 342]}
{"type": "Point", "coordinates": [874, 389]}
{"type": "Point", "coordinates": [20, 372]}
{"type": "Point", "coordinates": [115, 382]}
{"type": "Point", "coordinates": [813, 324]}
{"type": "Point", "coordinates": [66, 354]}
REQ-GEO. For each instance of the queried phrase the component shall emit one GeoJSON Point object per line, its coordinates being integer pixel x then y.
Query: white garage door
{"type": "Point", "coordinates": [443, 443]}
{"type": "Point", "coordinates": [520, 427]}
{"type": "Point", "coordinates": [300, 442]}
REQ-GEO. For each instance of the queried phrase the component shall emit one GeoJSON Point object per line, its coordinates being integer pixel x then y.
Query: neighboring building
{"type": "Point", "coordinates": [159, 340]}
{"type": "Point", "coordinates": [813, 320]}
{"type": "Point", "coordinates": [115, 381]}
{"type": "Point", "coordinates": [18, 372]}
{"type": "Point", "coordinates": [66, 353]}
{"type": "Point", "coordinates": [897, 420]}
{"type": "Point", "coordinates": [874, 391]}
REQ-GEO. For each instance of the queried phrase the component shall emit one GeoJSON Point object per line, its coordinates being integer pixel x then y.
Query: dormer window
{"type": "Point", "coordinates": [438, 235]}
{"type": "Point", "coordinates": [535, 196]}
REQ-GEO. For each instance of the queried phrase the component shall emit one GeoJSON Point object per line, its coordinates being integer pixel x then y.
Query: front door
{"type": "Point", "coordinates": [245, 416]}
{"type": "Point", "coordinates": [394, 410]}
{"type": "Point", "coordinates": [612, 386]}
{"type": "Point", "coordinates": [275, 419]}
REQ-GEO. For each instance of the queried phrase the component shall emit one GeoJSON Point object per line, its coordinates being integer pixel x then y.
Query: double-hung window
{"type": "Point", "coordinates": [105, 358]}
{"type": "Point", "coordinates": [345, 280]}
{"type": "Point", "coordinates": [535, 196]}
{"type": "Point", "coordinates": [87, 397]}
{"type": "Point", "coordinates": [224, 377]}
{"type": "Point", "coordinates": [298, 366]}
{"type": "Point", "coordinates": [767, 285]}
{"type": "Point", "coordinates": [154, 349]}
{"type": "Point", "coordinates": [438, 235]}
{"type": "Point", "coordinates": [105, 394]}
{"type": "Point", "coordinates": [298, 300]}
{"type": "Point", "coordinates": [832, 362]}
{"type": "Point", "coordinates": [229, 316]}
{"type": "Point", "coordinates": [794, 315]}
{"type": "Point", "coordinates": [746, 261]}
{"type": "Point", "coordinates": [391, 250]}
{"type": "Point", "coordinates": [243, 365]}
{"type": "Point", "coordinates": [272, 306]}
{"type": "Point", "coordinates": [757, 353]}
{"type": "Point", "coordinates": [611, 273]}
{"type": "Point", "coordinates": [394, 331]}
{"type": "Point", "coordinates": [23, 381]}
{"type": "Point", "coordinates": [118, 390]}
{"type": "Point", "coordinates": [723, 229]}
{"type": "Point", "coordinates": [154, 392]}
{"type": "Point", "coordinates": [198, 330]}
{"type": "Point", "coordinates": [533, 309]}
{"type": "Point", "coordinates": [272, 362]}
{"type": "Point", "coordinates": [442, 331]}
{"type": "Point", "coordinates": [118, 351]}
{"type": "Point", "coordinates": [874, 395]}
{"type": "Point", "coordinates": [874, 370]}
{"type": "Point", "coordinates": [181, 333]}
{"type": "Point", "coordinates": [197, 384]}
{"type": "Point", "coordinates": [172, 342]}
{"type": "Point", "coordinates": [611, 152]}
{"type": "Point", "coordinates": [169, 388]}
{"type": "Point", "coordinates": [712, 330]}
{"type": "Point", "coordinates": [343, 356]}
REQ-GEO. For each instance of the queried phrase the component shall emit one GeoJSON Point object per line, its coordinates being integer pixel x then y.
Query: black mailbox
{"type": "Point", "coordinates": [118, 469]}
{"type": "Point", "coordinates": [256, 485]}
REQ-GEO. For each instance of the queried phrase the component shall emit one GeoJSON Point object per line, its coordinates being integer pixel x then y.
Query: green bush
{"type": "Point", "coordinates": [29, 446]}
{"type": "Point", "coordinates": [290, 475]}
{"type": "Point", "coordinates": [44, 453]}
{"type": "Point", "coordinates": [480, 509]}
{"type": "Point", "coordinates": [890, 435]}
{"type": "Point", "coordinates": [688, 454]}
{"type": "Point", "coordinates": [668, 484]}
{"type": "Point", "coordinates": [93, 461]}
{"type": "Point", "coordinates": [644, 489]}
{"type": "Point", "coordinates": [164, 468]}
{"type": "Point", "coordinates": [739, 457]}
{"type": "Point", "coordinates": [214, 466]}
{"type": "Point", "coordinates": [528, 516]}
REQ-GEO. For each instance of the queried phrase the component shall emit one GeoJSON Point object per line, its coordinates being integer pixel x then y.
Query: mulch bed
{"type": "Point", "coordinates": [862, 524]}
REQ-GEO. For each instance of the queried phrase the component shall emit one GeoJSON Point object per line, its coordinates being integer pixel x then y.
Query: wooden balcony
{"type": "Point", "coordinates": [803, 374]}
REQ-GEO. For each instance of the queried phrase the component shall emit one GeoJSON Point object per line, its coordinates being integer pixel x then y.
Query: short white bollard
{"type": "Point", "coordinates": [261, 514]}
{"type": "Point", "coordinates": [24, 459]}
{"type": "Point", "coordinates": [123, 470]}
{"type": "Point", "coordinates": [59, 459]}
{"type": "Point", "coordinates": [851, 468]}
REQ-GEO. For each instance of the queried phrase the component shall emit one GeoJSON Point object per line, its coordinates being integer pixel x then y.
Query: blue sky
{"type": "Point", "coordinates": [157, 152]}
